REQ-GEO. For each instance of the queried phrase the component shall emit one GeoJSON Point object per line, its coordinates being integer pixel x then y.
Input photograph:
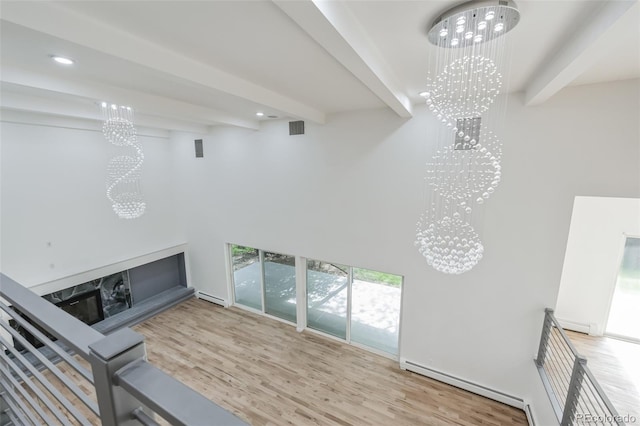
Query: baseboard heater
{"type": "Point", "coordinates": [211, 298]}
{"type": "Point", "coordinates": [464, 384]}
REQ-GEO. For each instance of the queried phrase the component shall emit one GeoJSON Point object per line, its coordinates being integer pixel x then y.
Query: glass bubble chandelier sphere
{"type": "Point", "coordinates": [468, 57]}
{"type": "Point", "coordinates": [124, 170]}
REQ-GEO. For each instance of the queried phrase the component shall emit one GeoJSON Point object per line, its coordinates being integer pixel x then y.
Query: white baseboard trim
{"type": "Point", "coordinates": [530, 418]}
{"type": "Point", "coordinates": [211, 298]}
{"type": "Point", "coordinates": [576, 326]}
{"type": "Point", "coordinates": [464, 384]}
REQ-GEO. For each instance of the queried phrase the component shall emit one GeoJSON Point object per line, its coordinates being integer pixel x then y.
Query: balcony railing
{"type": "Point", "coordinates": [85, 377]}
{"type": "Point", "coordinates": [575, 394]}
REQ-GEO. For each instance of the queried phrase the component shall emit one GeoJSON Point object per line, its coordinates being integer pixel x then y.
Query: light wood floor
{"type": "Point", "coordinates": [269, 374]}
{"type": "Point", "coordinates": [616, 366]}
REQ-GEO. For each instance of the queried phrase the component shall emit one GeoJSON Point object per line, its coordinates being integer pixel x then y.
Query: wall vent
{"type": "Point", "coordinates": [199, 150]}
{"type": "Point", "coordinates": [296, 127]}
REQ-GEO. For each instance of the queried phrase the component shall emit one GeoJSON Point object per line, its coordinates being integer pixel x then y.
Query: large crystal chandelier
{"type": "Point", "coordinates": [124, 170]}
{"type": "Point", "coordinates": [462, 94]}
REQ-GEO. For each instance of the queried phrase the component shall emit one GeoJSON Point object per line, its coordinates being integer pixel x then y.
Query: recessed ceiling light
{"type": "Point", "coordinates": [62, 60]}
{"type": "Point", "coordinates": [259, 114]}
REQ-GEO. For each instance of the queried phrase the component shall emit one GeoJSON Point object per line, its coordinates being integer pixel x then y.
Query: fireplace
{"type": "Point", "coordinates": [87, 307]}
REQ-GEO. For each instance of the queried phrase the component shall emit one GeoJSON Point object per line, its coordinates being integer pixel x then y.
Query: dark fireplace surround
{"type": "Point", "coordinates": [90, 302]}
{"type": "Point", "coordinates": [114, 296]}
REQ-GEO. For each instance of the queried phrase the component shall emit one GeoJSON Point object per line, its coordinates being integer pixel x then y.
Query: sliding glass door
{"type": "Point", "coordinates": [327, 291]}
{"type": "Point", "coordinates": [354, 304]}
{"type": "Point", "coordinates": [247, 276]}
{"type": "Point", "coordinates": [375, 309]}
{"type": "Point", "coordinates": [264, 281]}
{"type": "Point", "coordinates": [360, 306]}
{"type": "Point", "coordinates": [280, 286]}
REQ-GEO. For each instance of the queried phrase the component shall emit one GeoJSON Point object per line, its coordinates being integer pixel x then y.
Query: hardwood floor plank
{"type": "Point", "coordinates": [267, 373]}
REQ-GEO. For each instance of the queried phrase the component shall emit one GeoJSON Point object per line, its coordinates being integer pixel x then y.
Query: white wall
{"type": "Point", "coordinates": [351, 192]}
{"type": "Point", "coordinates": [594, 250]}
{"type": "Point", "coordinates": [53, 191]}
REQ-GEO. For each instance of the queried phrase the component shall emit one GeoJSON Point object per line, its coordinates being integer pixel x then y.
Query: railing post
{"type": "Point", "coordinates": [573, 394]}
{"type": "Point", "coordinates": [544, 338]}
{"type": "Point", "coordinates": [106, 357]}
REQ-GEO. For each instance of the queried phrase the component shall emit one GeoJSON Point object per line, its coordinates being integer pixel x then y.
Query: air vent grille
{"type": "Point", "coordinates": [199, 150]}
{"type": "Point", "coordinates": [296, 127]}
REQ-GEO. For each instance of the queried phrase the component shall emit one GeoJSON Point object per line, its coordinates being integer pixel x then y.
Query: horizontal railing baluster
{"type": "Point", "coordinates": [73, 332]}
{"type": "Point", "coordinates": [564, 371]}
{"type": "Point", "coordinates": [55, 371]}
{"type": "Point", "coordinates": [15, 411]}
{"type": "Point", "coordinates": [44, 339]}
{"type": "Point", "coordinates": [127, 387]}
{"type": "Point", "coordinates": [46, 384]}
{"type": "Point", "coordinates": [168, 397]}
{"type": "Point", "coordinates": [143, 418]}
{"type": "Point", "coordinates": [4, 370]}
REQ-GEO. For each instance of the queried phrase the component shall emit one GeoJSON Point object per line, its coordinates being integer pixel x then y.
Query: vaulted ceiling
{"type": "Point", "coordinates": [189, 65]}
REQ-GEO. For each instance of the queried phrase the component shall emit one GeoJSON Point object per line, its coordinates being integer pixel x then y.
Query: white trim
{"type": "Point", "coordinates": [374, 351]}
{"type": "Point", "coordinates": [247, 308]}
{"type": "Point", "coordinates": [301, 293]}
{"type": "Point", "coordinates": [349, 302]}
{"type": "Point", "coordinates": [263, 295]}
{"type": "Point", "coordinates": [327, 335]}
{"type": "Point", "coordinates": [461, 383]}
{"type": "Point", "coordinates": [83, 277]}
{"type": "Point", "coordinates": [399, 356]}
{"type": "Point", "coordinates": [231, 290]}
{"type": "Point", "coordinates": [528, 411]}
{"type": "Point", "coordinates": [211, 298]}
{"type": "Point", "coordinates": [577, 326]}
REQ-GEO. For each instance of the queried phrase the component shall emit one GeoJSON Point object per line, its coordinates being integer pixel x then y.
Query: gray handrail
{"type": "Point", "coordinates": [128, 388]}
{"type": "Point", "coordinates": [170, 398]}
{"type": "Point", "coordinates": [73, 332]}
{"type": "Point", "coordinates": [580, 375]}
{"type": "Point", "coordinates": [562, 333]}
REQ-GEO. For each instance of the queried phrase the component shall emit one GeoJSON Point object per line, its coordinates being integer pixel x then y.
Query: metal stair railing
{"type": "Point", "coordinates": [575, 394]}
{"type": "Point", "coordinates": [84, 377]}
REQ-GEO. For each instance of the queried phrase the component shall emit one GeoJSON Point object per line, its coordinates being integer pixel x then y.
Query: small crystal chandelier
{"type": "Point", "coordinates": [124, 170]}
{"type": "Point", "coordinates": [465, 171]}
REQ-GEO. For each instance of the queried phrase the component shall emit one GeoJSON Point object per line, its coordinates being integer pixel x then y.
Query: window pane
{"type": "Point", "coordinates": [246, 276]}
{"type": "Point", "coordinates": [327, 297]}
{"type": "Point", "coordinates": [375, 309]}
{"type": "Point", "coordinates": [624, 316]}
{"type": "Point", "coordinates": [280, 285]}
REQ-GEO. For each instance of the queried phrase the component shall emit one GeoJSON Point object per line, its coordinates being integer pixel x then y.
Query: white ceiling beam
{"type": "Point", "coordinates": [10, 115]}
{"type": "Point", "coordinates": [42, 107]}
{"type": "Point", "coordinates": [58, 21]}
{"type": "Point", "coordinates": [573, 56]}
{"type": "Point", "coordinates": [332, 25]}
{"type": "Point", "coordinates": [147, 104]}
